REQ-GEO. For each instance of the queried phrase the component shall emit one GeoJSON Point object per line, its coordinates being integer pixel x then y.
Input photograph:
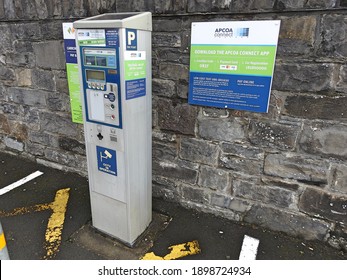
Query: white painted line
{"type": "Point", "coordinates": [249, 248]}
{"type": "Point", "coordinates": [20, 182]}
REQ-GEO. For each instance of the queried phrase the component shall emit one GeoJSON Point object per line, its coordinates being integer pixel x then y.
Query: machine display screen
{"type": "Point", "coordinates": [95, 75]}
{"type": "Point", "coordinates": [100, 57]}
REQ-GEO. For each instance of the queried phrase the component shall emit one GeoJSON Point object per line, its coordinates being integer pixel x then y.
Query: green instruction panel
{"type": "Point", "coordinates": [135, 74]}
{"type": "Point", "coordinates": [72, 73]}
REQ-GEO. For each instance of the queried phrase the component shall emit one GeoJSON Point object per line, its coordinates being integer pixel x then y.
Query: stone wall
{"type": "Point", "coordinates": [285, 170]}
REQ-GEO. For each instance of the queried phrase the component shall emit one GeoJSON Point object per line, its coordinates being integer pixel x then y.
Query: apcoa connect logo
{"type": "Point", "coordinates": [230, 32]}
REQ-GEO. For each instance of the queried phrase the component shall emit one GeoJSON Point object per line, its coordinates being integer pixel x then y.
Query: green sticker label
{"type": "Point", "coordinates": [74, 90]}
{"type": "Point", "coordinates": [250, 60]}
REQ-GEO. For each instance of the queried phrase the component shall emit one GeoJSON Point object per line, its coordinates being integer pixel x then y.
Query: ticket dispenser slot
{"type": "Point", "coordinates": [114, 60]}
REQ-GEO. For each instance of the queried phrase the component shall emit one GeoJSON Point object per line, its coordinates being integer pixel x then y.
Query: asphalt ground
{"type": "Point", "coordinates": [31, 217]}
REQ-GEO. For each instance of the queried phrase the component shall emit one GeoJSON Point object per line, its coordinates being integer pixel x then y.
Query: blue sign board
{"type": "Point", "coordinates": [131, 39]}
{"type": "Point", "coordinates": [135, 88]}
{"type": "Point", "coordinates": [107, 160]}
{"type": "Point", "coordinates": [232, 64]}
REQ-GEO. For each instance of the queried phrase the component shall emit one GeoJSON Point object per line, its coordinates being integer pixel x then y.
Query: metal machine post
{"type": "Point", "coordinates": [114, 58]}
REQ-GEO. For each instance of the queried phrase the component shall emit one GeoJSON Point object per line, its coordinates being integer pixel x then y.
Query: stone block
{"type": "Point", "coordinates": [11, 110]}
{"type": "Point", "coordinates": [179, 118]}
{"type": "Point", "coordinates": [160, 191]}
{"type": "Point", "coordinates": [182, 89]}
{"type": "Point", "coordinates": [71, 9]}
{"type": "Point", "coordinates": [19, 131]}
{"type": "Point", "coordinates": [50, 55]}
{"type": "Point", "coordinates": [165, 88]}
{"type": "Point", "coordinates": [324, 139]}
{"type": "Point", "coordinates": [23, 46]}
{"type": "Point", "coordinates": [178, 170]}
{"type": "Point", "coordinates": [316, 107]}
{"type": "Point", "coordinates": [55, 123]}
{"type": "Point", "coordinates": [6, 40]}
{"type": "Point", "coordinates": [273, 134]}
{"type": "Point", "coordinates": [32, 117]}
{"type": "Point", "coordinates": [252, 5]}
{"type": "Point", "coordinates": [99, 6]}
{"type": "Point", "coordinates": [265, 194]}
{"type": "Point", "coordinates": [243, 165]}
{"type": "Point", "coordinates": [289, 5]}
{"type": "Point", "coordinates": [10, 8]}
{"type": "Point", "coordinates": [297, 35]}
{"type": "Point", "coordinates": [21, 59]}
{"type": "Point", "coordinates": [29, 31]}
{"type": "Point", "coordinates": [303, 77]}
{"type": "Point", "coordinates": [341, 84]}
{"type": "Point", "coordinates": [41, 8]}
{"type": "Point", "coordinates": [161, 151]}
{"type": "Point", "coordinates": [14, 144]}
{"type": "Point", "coordinates": [51, 30]}
{"type": "Point", "coordinates": [288, 222]}
{"type": "Point", "coordinates": [334, 39]}
{"type": "Point", "coordinates": [24, 96]}
{"type": "Point", "coordinates": [280, 183]}
{"type": "Point", "coordinates": [61, 82]}
{"type": "Point", "coordinates": [232, 203]}
{"type": "Point", "coordinates": [215, 179]}
{"type": "Point", "coordinates": [2, 10]}
{"type": "Point", "coordinates": [173, 71]}
{"type": "Point", "coordinates": [168, 54]}
{"type": "Point", "coordinates": [65, 158]}
{"type": "Point", "coordinates": [7, 75]}
{"type": "Point", "coordinates": [170, 184]}
{"type": "Point", "coordinates": [35, 149]}
{"type": "Point", "coordinates": [197, 195]}
{"type": "Point", "coordinates": [163, 7]}
{"type": "Point", "coordinates": [43, 79]}
{"type": "Point", "coordinates": [134, 6]}
{"type": "Point", "coordinates": [209, 112]}
{"type": "Point", "coordinates": [40, 138]}
{"type": "Point", "coordinates": [58, 102]}
{"type": "Point", "coordinates": [161, 39]}
{"type": "Point", "coordinates": [242, 151]}
{"type": "Point", "coordinates": [338, 238]}
{"type": "Point", "coordinates": [298, 167]}
{"type": "Point", "coordinates": [200, 151]}
{"type": "Point", "coordinates": [178, 6]}
{"type": "Point", "coordinates": [199, 6]}
{"type": "Point", "coordinates": [4, 124]}
{"type": "Point", "coordinates": [167, 25]}
{"type": "Point", "coordinates": [123, 6]}
{"type": "Point", "coordinates": [324, 205]}
{"type": "Point", "coordinates": [23, 77]}
{"type": "Point", "coordinates": [221, 5]}
{"type": "Point", "coordinates": [318, 4]}
{"type": "Point", "coordinates": [164, 137]}
{"type": "Point", "coordinates": [229, 130]}
{"type": "Point", "coordinates": [338, 178]}
{"type": "Point", "coordinates": [71, 145]}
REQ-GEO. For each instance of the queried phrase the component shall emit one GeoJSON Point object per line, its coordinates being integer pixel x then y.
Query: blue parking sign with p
{"type": "Point", "coordinates": [107, 160]}
{"type": "Point", "coordinates": [131, 39]}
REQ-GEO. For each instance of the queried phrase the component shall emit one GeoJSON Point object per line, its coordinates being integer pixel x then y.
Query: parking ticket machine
{"type": "Point", "coordinates": [114, 58]}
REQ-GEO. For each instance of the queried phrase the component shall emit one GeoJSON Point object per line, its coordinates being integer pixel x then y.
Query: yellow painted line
{"type": "Point", "coordinates": [177, 251]}
{"type": "Point", "coordinates": [2, 241]}
{"type": "Point", "coordinates": [56, 223]}
{"type": "Point", "coordinates": [25, 210]}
